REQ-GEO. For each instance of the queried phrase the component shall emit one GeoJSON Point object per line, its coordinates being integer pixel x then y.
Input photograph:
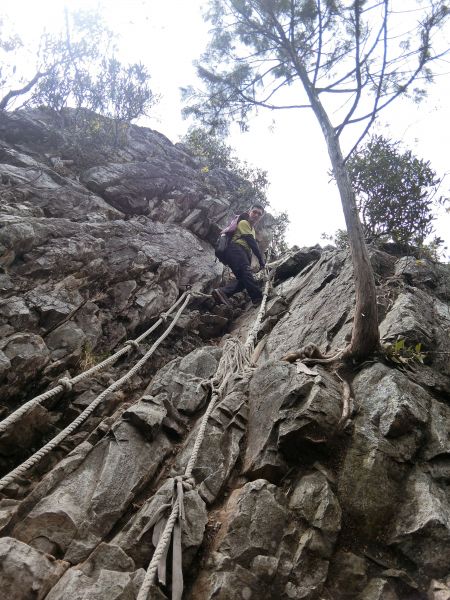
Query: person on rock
{"type": "Point", "coordinates": [238, 257]}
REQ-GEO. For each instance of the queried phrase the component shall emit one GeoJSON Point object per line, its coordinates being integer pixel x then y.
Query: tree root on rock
{"type": "Point", "coordinates": [311, 354]}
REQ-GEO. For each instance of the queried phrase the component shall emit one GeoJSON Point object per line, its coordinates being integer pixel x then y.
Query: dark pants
{"type": "Point", "coordinates": [239, 262]}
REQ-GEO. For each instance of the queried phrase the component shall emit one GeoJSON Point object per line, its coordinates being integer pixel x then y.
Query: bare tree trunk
{"type": "Point", "coordinates": [365, 335]}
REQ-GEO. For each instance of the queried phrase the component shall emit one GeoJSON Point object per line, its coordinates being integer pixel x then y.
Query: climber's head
{"type": "Point", "coordinates": [255, 213]}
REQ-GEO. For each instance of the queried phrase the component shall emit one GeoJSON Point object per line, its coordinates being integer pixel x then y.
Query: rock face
{"type": "Point", "coordinates": [297, 491]}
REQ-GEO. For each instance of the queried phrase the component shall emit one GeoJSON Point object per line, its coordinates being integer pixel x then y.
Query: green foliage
{"type": "Point", "coordinates": [215, 153]}
{"type": "Point", "coordinates": [402, 355]}
{"type": "Point", "coordinates": [279, 245]}
{"type": "Point", "coordinates": [394, 192]}
{"type": "Point", "coordinates": [434, 250]}
{"type": "Point", "coordinates": [339, 239]}
{"type": "Point", "coordinates": [261, 50]}
{"type": "Point", "coordinates": [77, 68]}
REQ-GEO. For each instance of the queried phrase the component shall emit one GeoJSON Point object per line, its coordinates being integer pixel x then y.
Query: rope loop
{"type": "Point", "coordinates": [66, 384]}
{"type": "Point", "coordinates": [133, 344]}
{"type": "Point", "coordinates": [164, 316]}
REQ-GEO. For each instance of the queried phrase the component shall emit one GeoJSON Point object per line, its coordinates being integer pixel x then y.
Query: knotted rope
{"type": "Point", "coordinates": [37, 456]}
{"type": "Point", "coordinates": [234, 364]}
{"type": "Point", "coordinates": [65, 384]}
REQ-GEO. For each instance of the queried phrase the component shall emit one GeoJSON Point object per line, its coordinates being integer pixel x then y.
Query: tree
{"type": "Point", "coordinates": [292, 54]}
{"type": "Point", "coordinates": [394, 192]}
{"type": "Point", "coordinates": [76, 68]}
{"type": "Point", "coordinates": [215, 153]}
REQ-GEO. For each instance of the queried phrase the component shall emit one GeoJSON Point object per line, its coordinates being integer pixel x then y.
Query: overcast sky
{"type": "Point", "coordinates": [167, 35]}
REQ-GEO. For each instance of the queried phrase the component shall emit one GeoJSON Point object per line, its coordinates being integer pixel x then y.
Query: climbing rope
{"type": "Point", "coordinates": [234, 364]}
{"type": "Point", "coordinates": [66, 384]}
{"type": "Point", "coordinates": [37, 456]}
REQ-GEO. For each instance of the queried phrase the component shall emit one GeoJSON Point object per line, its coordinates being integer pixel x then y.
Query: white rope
{"type": "Point", "coordinates": [160, 549]}
{"type": "Point", "coordinates": [234, 363]}
{"type": "Point", "coordinates": [251, 337]}
{"type": "Point", "coordinates": [66, 384]}
{"type": "Point", "coordinates": [35, 458]}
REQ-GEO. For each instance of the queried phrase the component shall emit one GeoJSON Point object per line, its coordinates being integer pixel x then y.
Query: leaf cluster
{"type": "Point", "coordinates": [286, 54]}
{"type": "Point", "coordinates": [402, 355]}
{"type": "Point", "coordinates": [394, 191]}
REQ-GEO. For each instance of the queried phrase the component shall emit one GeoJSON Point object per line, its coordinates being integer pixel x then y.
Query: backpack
{"type": "Point", "coordinates": [224, 238]}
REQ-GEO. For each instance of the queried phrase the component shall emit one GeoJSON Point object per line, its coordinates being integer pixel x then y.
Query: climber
{"type": "Point", "coordinates": [238, 256]}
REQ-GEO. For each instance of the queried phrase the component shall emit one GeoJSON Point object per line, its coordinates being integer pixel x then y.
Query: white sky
{"type": "Point", "coordinates": [167, 35]}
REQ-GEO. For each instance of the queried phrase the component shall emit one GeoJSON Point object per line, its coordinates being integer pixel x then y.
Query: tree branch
{"type": "Point", "coordinates": [26, 88]}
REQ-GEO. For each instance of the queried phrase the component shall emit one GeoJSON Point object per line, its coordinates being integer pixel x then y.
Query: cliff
{"type": "Point", "coordinates": [312, 481]}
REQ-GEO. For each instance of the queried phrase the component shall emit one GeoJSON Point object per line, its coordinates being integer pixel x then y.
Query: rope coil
{"type": "Point", "coordinates": [234, 364]}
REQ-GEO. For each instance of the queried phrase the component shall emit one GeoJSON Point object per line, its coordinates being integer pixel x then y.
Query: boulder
{"type": "Point", "coordinates": [182, 379]}
{"type": "Point", "coordinates": [314, 501]}
{"type": "Point", "coordinates": [288, 411]}
{"type": "Point", "coordinates": [421, 529]}
{"type": "Point", "coordinates": [25, 573]}
{"type": "Point", "coordinates": [388, 431]}
{"type": "Point", "coordinates": [24, 357]}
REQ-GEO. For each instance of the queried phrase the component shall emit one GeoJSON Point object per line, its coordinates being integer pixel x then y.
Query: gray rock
{"type": "Point", "coordinates": [147, 415]}
{"type": "Point", "coordinates": [297, 262]}
{"type": "Point", "coordinates": [438, 443]}
{"type": "Point", "coordinates": [439, 590]}
{"type": "Point", "coordinates": [27, 355]}
{"type": "Point", "coordinates": [238, 584]}
{"type": "Point", "coordinates": [288, 411]}
{"type": "Point", "coordinates": [309, 571]}
{"type": "Point", "coordinates": [417, 272]}
{"type": "Point", "coordinates": [421, 529]}
{"type": "Point", "coordinates": [108, 585]}
{"type": "Point", "coordinates": [411, 318]}
{"type": "Point", "coordinates": [256, 525]}
{"type": "Point", "coordinates": [26, 431]}
{"type": "Point", "coordinates": [182, 379]}
{"type": "Point", "coordinates": [314, 314]}
{"type": "Point", "coordinates": [127, 186]}
{"type": "Point", "coordinates": [14, 311]}
{"type": "Point", "coordinates": [67, 339]}
{"type": "Point", "coordinates": [5, 365]}
{"type": "Point", "coordinates": [136, 539]}
{"type": "Point", "coordinates": [314, 501]}
{"type": "Point", "coordinates": [378, 589]}
{"type": "Point", "coordinates": [25, 573]}
{"type": "Point", "coordinates": [51, 309]}
{"type": "Point", "coordinates": [75, 516]}
{"type": "Point", "coordinates": [220, 449]}
{"type": "Point", "coordinates": [388, 431]}
{"type": "Point", "coordinates": [121, 293]}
